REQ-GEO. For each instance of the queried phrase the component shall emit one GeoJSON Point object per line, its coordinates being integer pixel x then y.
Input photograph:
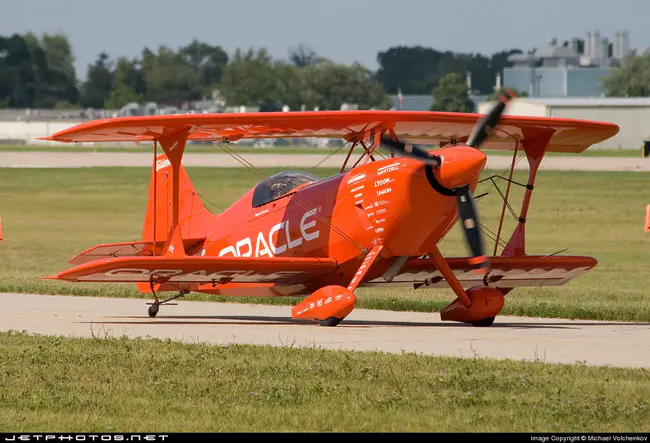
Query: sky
{"type": "Point", "coordinates": [342, 30]}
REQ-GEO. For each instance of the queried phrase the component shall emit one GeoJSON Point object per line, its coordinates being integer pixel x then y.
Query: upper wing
{"type": "Point", "coordinates": [415, 127]}
{"type": "Point", "coordinates": [216, 270]}
{"type": "Point", "coordinates": [507, 272]}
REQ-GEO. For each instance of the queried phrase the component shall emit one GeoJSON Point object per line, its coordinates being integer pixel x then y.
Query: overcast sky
{"type": "Point", "coordinates": [342, 30]}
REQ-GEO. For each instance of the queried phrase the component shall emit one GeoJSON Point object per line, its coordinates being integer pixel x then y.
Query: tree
{"type": "Point", "coordinates": [517, 93]}
{"type": "Point", "coordinates": [412, 69]}
{"type": "Point", "coordinates": [61, 71]}
{"type": "Point", "coordinates": [251, 78]}
{"type": "Point", "coordinates": [303, 56]}
{"type": "Point", "coordinates": [17, 77]}
{"type": "Point", "coordinates": [208, 60]}
{"type": "Point", "coordinates": [169, 77]}
{"type": "Point", "coordinates": [128, 84]}
{"type": "Point", "coordinates": [452, 95]}
{"type": "Point", "coordinates": [99, 84]}
{"type": "Point", "coordinates": [630, 80]}
{"type": "Point", "coordinates": [37, 73]}
{"type": "Point", "coordinates": [417, 70]}
{"type": "Point", "coordinates": [330, 85]}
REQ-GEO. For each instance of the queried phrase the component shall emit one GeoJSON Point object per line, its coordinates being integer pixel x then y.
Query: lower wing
{"type": "Point", "coordinates": [215, 270]}
{"type": "Point", "coordinates": [507, 272]}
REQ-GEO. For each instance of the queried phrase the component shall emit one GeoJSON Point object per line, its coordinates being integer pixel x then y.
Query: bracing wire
{"type": "Point", "coordinates": [247, 164]}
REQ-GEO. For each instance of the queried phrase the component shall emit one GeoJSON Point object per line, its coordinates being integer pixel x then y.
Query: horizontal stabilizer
{"type": "Point", "coordinates": [507, 272]}
{"type": "Point", "coordinates": [127, 249]}
{"type": "Point", "coordinates": [216, 270]}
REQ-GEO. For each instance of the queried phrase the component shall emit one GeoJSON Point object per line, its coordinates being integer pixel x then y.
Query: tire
{"type": "Point", "coordinates": [331, 321]}
{"type": "Point", "coordinates": [153, 310]}
{"type": "Point", "coordinates": [484, 323]}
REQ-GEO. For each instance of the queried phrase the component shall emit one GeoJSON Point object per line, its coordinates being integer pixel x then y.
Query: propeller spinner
{"type": "Point", "coordinates": [464, 200]}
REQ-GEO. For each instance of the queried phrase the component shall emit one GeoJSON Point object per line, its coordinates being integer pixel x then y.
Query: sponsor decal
{"type": "Point", "coordinates": [271, 247]}
{"type": "Point", "coordinates": [356, 178]}
{"type": "Point", "coordinates": [320, 302]}
{"type": "Point", "coordinates": [384, 191]}
{"type": "Point", "coordinates": [162, 164]}
{"type": "Point", "coordinates": [389, 168]}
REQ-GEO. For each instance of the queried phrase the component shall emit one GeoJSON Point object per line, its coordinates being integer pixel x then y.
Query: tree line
{"type": "Point", "coordinates": [38, 72]}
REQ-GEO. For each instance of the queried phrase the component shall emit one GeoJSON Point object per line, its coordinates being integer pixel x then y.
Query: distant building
{"type": "Point", "coordinates": [632, 115]}
{"type": "Point", "coordinates": [424, 102]}
{"type": "Point", "coordinates": [412, 102]}
{"type": "Point", "coordinates": [571, 69]}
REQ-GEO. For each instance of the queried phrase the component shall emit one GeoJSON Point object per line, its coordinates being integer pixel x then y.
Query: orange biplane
{"type": "Point", "coordinates": [377, 224]}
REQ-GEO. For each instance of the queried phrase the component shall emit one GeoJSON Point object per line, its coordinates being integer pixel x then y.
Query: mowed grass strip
{"type": "Point", "coordinates": [61, 384]}
{"type": "Point", "coordinates": [50, 215]}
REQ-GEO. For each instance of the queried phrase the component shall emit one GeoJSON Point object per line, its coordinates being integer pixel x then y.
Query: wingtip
{"type": "Point", "coordinates": [50, 277]}
{"type": "Point", "coordinates": [46, 138]}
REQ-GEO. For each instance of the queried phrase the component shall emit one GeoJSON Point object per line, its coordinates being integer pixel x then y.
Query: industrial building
{"type": "Point", "coordinates": [632, 115]}
{"type": "Point", "coordinates": [574, 68]}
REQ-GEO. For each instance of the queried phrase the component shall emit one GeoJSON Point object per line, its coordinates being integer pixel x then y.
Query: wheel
{"type": "Point", "coordinates": [331, 321]}
{"type": "Point", "coordinates": [153, 310]}
{"type": "Point", "coordinates": [485, 322]}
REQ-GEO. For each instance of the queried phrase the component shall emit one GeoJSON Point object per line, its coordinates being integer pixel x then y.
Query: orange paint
{"type": "Point", "coordinates": [330, 302]}
{"type": "Point", "coordinates": [296, 234]}
{"type": "Point", "coordinates": [486, 303]}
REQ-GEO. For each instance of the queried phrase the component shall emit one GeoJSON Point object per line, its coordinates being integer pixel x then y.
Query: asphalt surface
{"type": "Point", "coordinates": [548, 340]}
{"type": "Point", "coordinates": [13, 159]}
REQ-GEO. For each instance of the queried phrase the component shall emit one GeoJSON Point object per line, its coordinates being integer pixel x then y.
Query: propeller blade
{"type": "Point", "coordinates": [486, 125]}
{"type": "Point", "coordinates": [411, 151]}
{"type": "Point", "coordinates": [471, 229]}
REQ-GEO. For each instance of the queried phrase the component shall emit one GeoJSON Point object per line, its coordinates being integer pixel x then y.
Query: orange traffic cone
{"type": "Point", "coordinates": [646, 228]}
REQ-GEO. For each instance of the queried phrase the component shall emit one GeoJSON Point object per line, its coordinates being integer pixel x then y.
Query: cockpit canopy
{"type": "Point", "coordinates": [279, 184]}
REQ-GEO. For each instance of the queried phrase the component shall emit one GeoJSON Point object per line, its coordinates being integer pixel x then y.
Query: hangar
{"type": "Point", "coordinates": [632, 115]}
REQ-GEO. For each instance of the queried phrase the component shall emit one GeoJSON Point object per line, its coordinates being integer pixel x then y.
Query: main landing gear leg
{"type": "Point", "coordinates": [155, 306]}
{"type": "Point", "coordinates": [478, 305]}
{"type": "Point", "coordinates": [331, 304]}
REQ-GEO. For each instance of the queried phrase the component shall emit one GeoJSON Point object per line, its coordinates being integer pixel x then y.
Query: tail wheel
{"type": "Point", "coordinates": [153, 310]}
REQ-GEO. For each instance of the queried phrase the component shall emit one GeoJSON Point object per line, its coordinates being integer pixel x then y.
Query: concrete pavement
{"type": "Point", "coordinates": [549, 340]}
{"type": "Point", "coordinates": [12, 159]}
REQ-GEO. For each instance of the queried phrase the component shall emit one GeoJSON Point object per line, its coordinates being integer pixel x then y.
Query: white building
{"type": "Point", "coordinates": [632, 115]}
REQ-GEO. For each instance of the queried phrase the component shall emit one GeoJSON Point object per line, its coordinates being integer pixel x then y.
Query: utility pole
{"type": "Point", "coordinates": [533, 78]}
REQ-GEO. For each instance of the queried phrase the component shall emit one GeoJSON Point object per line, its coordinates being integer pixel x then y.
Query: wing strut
{"type": "Point", "coordinates": [535, 148]}
{"type": "Point", "coordinates": [155, 194]}
{"type": "Point", "coordinates": [174, 147]}
{"type": "Point", "coordinates": [505, 200]}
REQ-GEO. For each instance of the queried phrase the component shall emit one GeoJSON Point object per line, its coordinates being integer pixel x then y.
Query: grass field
{"type": "Point", "coordinates": [51, 215]}
{"type": "Point", "coordinates": [289, 150]}
{"type": "Point", "coordinates": [50, 384]}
